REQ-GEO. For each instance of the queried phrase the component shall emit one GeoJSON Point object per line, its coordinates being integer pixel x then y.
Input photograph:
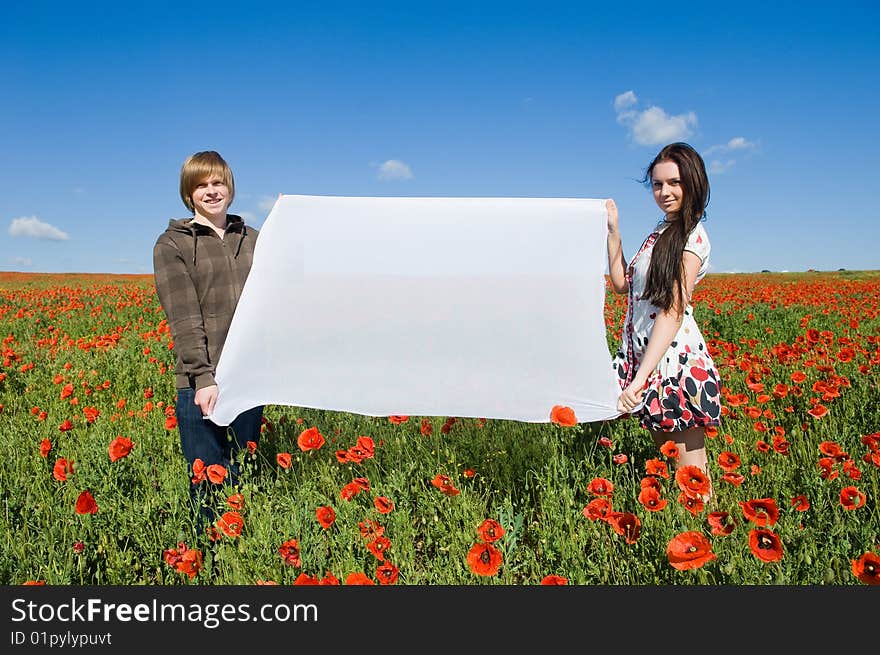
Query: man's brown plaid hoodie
{"type": "Point", "coordinates": [199, 278]}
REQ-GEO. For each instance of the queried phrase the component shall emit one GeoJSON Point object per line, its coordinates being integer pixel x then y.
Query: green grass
{"type": "Point", "coordinates": [532, 478]}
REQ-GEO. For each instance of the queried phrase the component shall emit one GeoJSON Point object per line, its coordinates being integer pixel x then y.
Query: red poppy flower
{"type": "Point", "coordinates": [867, 568]}
{"type": "Point", "coordinates": [370, 530]}
{"type": "Point", "coordinates": [692, 505]}
{"type": "Point", "coordinates": [378, 546]}
{"type": "Point", "coordinates": [426, 428]}
{"type": "Point", "coordinates": [235, 501]}
{"type": "Point", "coordinates": [216, 473]}
{"type": "Point", "coordinates": [469, 473]}
{"type": "Point", "coordinates": [761, 511]}
{"type": "Point", "coordinates": [349, 491]}
{"type": "Point", "coordinates": [120, 447]}
{"type": "Point", "coordinates": [185, 560]}
{"type": "Point", "coordinates": [490, 530]}
{"type": "Point", "coordinates": [765, 545]}
{"type": "Point", "coordinates": [553, 579]}
{"type": "Point", "coordinates": [170, 423]}
{"type": "Point", "coordinates": [800, 503]}
{"type": "Point", "coordinates": [689, 550]}
{"type": "Point", "coordinates": [780, 445]}
{"type": "Point", "coordinates": [720, 524]}
{"type": "Point", "coordinates": [397, 419]}
{"type": "Point", "coordinates": [45, 447]}
{"type": "Point", "coordinates": [85, 503]}
{"type": "Point", "coordinates": [649, 481]}
{"type": "Point", "coordinates": [600, 487]}
{"type": "Point", "coordinates": [826, 468]}
{"type": "Point", "coordinates": [329, 579]}
{"type": "Point", "coordinates": [562, 415]}
{"type": "Point", "coordinates": [729, 461]}
{"type": "Point", "coordinates": [67, 391]}
{"type": "Point", "coordinates": [669, 449]}
{"type": "Point", "coordinates": [386, 573]}
{"type": "Point", "coordinates": [605, 442]}
{"type": "Point", "coordinates": [231, 524]}
{"type": "Point", "coordinates": [289, 552]}
{"type": "Point", "coordinates": [284, 460]}
{"type": "Point", "coordinates": [326, 516]}
{"type": "Point", "coordinates": [383, 505]}
{"type": "Point", "coordinates": [656, 467]}
{"type": "Point", "coordinates": [66, 426]}
{"type": "Point", "coordinates": [817, 411]}
{"type": "Point", "coordinates": [358, 578]}
{"type": "Point", "coordinates": [62, 469]}
{"type": "Point", "coordinates": [484, 559]}
{"type": "Point", "coordinates": [444, 484]}
{"type": "Point", "coordinates": [627, 525]}
{"type": "Point", "coordinates": [852, 498]}
{"type": "Point", "coordinates": [367, 445]}
{"type": "Point", "coordinates": [651, 500]}
{"type": "Point", "coordinates": [310, 439]}
{"type": "Point", "coordinates": [91, 414]}
{"type": "Point", "coordinates": [597, 509]}
{"type": "Point", "coordinates": [735, 479]}
{"type": "Point", "coordinates": [693, 481]}
{"type": "Point", "coordinates": [199, 471]}
{"type": "Point", "coordinates": [304, 579]}
{"type": "Point", "coordinates": [833, 450]}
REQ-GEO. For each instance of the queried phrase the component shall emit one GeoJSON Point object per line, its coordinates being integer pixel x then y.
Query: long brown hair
{"type": "Point", "coordinates": [666, 271]}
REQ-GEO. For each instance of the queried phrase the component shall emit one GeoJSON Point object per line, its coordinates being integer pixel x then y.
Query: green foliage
{"type": "Point", "coordinates": [106, 338]}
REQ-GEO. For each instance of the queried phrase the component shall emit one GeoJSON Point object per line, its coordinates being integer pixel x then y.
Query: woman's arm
{"type": "Point", "coordinates": [665, 327]}
{"type": "Point", "coordinates": [616, 262]}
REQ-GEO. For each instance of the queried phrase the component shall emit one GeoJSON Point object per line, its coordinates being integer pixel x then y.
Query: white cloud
{"type": "Point", "coordinates": [736, 143]}
{"type": "Point", "coordinates": [31, 226]}
{"type": "Point", "coordinates": [394, 169]}
{"type": "Point", "coordinates": [652, 126]}
{"type": "Point", "coordinates": [717, 166]}
{"type": "Point", "coordinates": [22, 261]}
{"type": "Point", "coordinates": [624, 100]}
{"type": "Point", "coordinates": [739, 143]}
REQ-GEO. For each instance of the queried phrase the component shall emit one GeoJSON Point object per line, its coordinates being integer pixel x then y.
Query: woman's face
{"type": "Point", "coordinates": [667, 188]}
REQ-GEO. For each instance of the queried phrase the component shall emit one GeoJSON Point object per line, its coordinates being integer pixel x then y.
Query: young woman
{"type": "Point", "coordinates": [663, 366]}
{"type": "Point", "coordinates": [200, 267]}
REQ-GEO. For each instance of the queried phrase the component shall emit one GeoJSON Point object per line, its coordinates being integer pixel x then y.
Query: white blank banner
{"type": "Point", "coordinates": [465, 307]}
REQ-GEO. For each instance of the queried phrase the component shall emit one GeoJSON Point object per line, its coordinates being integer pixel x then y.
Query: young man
{"type": "Point", "coordinates": [200, 266]}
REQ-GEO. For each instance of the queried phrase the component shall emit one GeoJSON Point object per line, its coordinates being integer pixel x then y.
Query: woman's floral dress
{"type": "Point", "coordinates": [684, 390]}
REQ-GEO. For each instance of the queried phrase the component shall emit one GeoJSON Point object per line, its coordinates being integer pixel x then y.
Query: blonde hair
{"type": "Point", "coordinates": [199, 166]}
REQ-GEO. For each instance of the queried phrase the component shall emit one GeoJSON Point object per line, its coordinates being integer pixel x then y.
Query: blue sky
{"type": "Point", "coordinates": [102, 102]}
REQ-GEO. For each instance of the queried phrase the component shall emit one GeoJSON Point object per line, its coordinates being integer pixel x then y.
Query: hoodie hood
{"type": "Point", "coordinates": [234, 224]}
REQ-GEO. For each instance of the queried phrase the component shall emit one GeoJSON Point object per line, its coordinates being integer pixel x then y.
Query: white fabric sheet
{"type": "Point", "coordinates": [466, 307]}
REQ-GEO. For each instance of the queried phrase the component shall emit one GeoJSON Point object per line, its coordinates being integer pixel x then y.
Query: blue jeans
{"type": "Point", "coordinates": [213, 444]}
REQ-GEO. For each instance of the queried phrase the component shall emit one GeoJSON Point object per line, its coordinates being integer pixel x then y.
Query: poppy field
{"type": "Point", "coordinates": [96, 491]}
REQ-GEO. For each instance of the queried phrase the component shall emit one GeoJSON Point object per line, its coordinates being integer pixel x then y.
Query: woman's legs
{"type": "Point", "coordinates": [691, 446]}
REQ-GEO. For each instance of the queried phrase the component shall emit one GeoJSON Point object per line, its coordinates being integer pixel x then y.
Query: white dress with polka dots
{"type": "Point", "coordinates": [683, 391]}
